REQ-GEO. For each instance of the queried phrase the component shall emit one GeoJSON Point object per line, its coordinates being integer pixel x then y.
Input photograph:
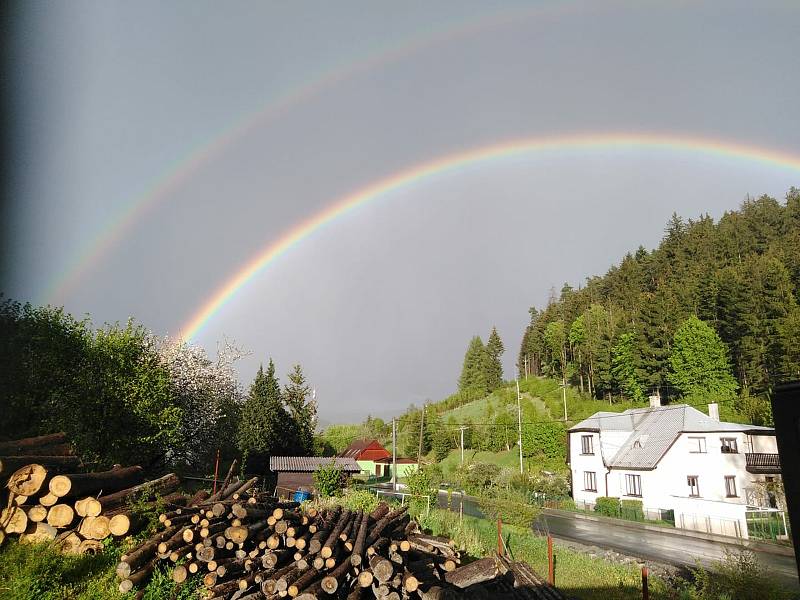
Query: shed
{"type": "Point", "coordinates": [296, 472]}
{"type": "Point", "coordinates": [383, 467]}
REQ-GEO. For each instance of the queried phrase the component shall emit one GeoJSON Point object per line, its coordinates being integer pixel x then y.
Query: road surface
{"type": "Point", "coordinates": [666, 547]}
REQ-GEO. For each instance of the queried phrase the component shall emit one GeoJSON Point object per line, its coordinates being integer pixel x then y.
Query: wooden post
{"type": "Point", "coordinates": [551, 572]}
{"type": "Point", "coordinates": [499, 536]}
{"type": "Point", "coordinates": [216, 473]}
{"type": "Point", "coordinates": [645, 591]}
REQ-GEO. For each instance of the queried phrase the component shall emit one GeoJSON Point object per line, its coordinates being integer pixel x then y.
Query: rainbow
{"type": "Point", "coordinates": [453, 162]}
{"type": "Point", "coordinates": [181, 170]}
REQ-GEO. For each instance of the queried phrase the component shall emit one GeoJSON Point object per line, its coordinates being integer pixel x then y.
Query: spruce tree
{"type": "Point", "coordinates": [623, 367]}
{"type": "Point", "coordinates": [700, 368]}
{"type": "Point", "coordinates": [494, 350]}
{"type": "Point", "coordinates": [473, 378]}
{"type": "Point", "coordinates": [264, 422]}
{"type": "Point", "coordinates": [302, 407]}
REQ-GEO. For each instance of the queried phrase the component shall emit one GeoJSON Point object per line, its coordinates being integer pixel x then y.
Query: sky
{"type": "Point", "coordinates": [227, 124]}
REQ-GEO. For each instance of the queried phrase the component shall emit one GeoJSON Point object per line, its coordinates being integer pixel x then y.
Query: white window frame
{"type": "Point", "coordinates": [700, 445]}
{"type": "Point", "coordinates": [587, 441]}
{"type": "Point", "coordinates": [693, 487]}
{"type": "Point", "coordinates": [729, 445]}
{"type": "Point", "coordinates": [634, 481]}
{"type": "Point", "coordinates": [731, 479]}
{"type": "Point", "coordinates": [589, 481]}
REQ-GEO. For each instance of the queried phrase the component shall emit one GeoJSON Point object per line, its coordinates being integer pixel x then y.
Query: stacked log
{"type": "Point", "coordinates": [254, 547]}
{"type": "Point", "coordinates": [50, 500]}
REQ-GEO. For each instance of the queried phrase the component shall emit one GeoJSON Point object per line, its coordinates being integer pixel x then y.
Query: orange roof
{"type": "Point", "coordinates": [365, 450]}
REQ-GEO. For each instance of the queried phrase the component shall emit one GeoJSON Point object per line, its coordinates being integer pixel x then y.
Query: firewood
{"type": "Point", "coordinates": [36, 513]}
{"type": "Point", "coordinates": [303, 582]}
{"type": "Point", "coordinates": [57, 464]}
{"type": "Point", "coordinates": [90, 547]}
{"type": "Point", "coordinates": [70, 543]}
{"type": "Point", "coordinates": [138, 556]}
{"type": "Point", "coordinates": [48, 500]}
{"type": "Point", "coordinates": [38, 532]}
{"type": "Point", "coordinates": [81, 484]}
{"type": "Point", "coordinates": [13, 520]}
{"type": "Point", "coordinates": [60, 515]}
{"type": "Point", "coordinates": [139, 577]}
{"type": "Point", "coordinates": [163, 485]}
{"type": "Point", "coordinates": [330, 583]}
{"type": "Point", "coordinates": [478, 571]}
{"type": "Point", "coordinates": [30, 444]}
{"type": "Point", "coordinates": [375, 533]}
{"type": "Point", "coordinates": [225, 483]}
{"type": "Point", "coordinates": [87, 507]}
{"type": "Point", "coordinates": [327, 547]}
{"type": "Point", "coordinates": [26, 480]}
{"type": "Point", "coordinates": [95, 528]}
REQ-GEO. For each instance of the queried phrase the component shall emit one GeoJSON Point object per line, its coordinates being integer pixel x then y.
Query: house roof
{"type": "Point", "coordinates": [654, 430]}
{"type": "Point", "coordinates": [310, 463]}
{"type": "Point", "coordinates": [365, 450]}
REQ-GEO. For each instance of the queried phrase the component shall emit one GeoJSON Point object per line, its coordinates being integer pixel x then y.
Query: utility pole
{"type": "Point", "coordinates": [394, 454]}
{"type": "Point", "coordinates": [525, 362]}
{"type": "Point", "coordinates": [519, 425]}
{"type": "Point", "coordinates": [421, 427]}
{"type": "Point", "coordinates": [462, 428]}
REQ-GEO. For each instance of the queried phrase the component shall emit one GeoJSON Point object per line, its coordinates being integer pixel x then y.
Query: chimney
{"type": "Point", "coordinates": [655, 401]}
{"type": "Point", "coordinates": [713, 411]}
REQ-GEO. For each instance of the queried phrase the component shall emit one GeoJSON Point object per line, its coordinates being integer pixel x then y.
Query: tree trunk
{"type": "Point", "coordinates": [478, 571]}
{"type": "Point", "coordinates": [32, 445]}
{"type": "Point", "coordinates": [164, 485]}
{"type": "Point", "coordinates": [59, 464]}
{"type": "Point", "coordinates": [83, 484]}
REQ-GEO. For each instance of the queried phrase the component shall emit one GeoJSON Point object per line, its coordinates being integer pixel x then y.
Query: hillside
{"type": "Point", "coordinates": [618, 334]}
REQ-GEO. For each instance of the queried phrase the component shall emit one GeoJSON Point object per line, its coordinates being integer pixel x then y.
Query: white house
{"type": "Point", "coordinates": [677, 458]}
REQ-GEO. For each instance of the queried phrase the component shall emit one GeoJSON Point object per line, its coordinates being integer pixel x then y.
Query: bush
{"type": "Point", "coordinates": [420, 484]}
{"type": "Point", "coordinates": [631, 510]}
{"type": "Point", "coordinates": [738, 576]}
{"type": "Point", "coordinates": [509, 510]}
{"type": "Point", "coordinates": [608, 506]}
{"type": "Point", "coordinates": [359, 500]}
{"type": "Point", "coordinates": [329, 480]}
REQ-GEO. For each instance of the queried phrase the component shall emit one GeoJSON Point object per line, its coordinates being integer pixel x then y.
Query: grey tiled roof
{"type": "Point", "coordinates": [653, 431]}
{"type": "Point", "coordinates": [310, 463]}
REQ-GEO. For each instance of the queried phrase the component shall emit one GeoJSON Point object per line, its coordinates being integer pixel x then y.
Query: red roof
{"type": "Point", "coordinates": [400, 461]}
{"type": "Point", "coordinates": [365, 450]}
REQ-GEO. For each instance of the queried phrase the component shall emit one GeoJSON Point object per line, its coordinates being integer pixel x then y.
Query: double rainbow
{"type": "Point", "coordinates": [454, 162]}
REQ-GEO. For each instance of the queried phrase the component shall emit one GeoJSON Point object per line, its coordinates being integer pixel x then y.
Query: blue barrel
{"type": "Point", "coordinates": [301, 496]}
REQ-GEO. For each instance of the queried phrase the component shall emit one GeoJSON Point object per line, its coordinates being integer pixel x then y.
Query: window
{"type": "Point", "coordinates": [693, 481]}
{"type": "Point", "coordinates": [697, 445]}
{"type": "Point", "coordinates": [633, 485]}
{"type": "Point", "coordinates": [730, 486]}
{"type": "Point", "coordinates": [589, 481]}
{"type": "Point", "coordinates": [586, 444]}
{"type": "Point", "coordinates": [729, 446]}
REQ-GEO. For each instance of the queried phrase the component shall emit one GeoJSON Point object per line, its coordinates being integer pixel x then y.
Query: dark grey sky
{"type": "Point", "coordinates": [378, 306]}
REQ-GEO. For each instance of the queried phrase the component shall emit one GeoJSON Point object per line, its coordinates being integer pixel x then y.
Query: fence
{"type": "Point", "coordinates": [767, 524]}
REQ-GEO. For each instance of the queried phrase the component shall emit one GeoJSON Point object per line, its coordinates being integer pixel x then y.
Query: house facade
{"type": "Point", "coordinates": [709, 473]}
{"type": "Point", "coordinates": [366, 453]}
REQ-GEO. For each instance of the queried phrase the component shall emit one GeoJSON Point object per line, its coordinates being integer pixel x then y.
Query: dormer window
{"type": "Point", "coordinates": [637, 444]}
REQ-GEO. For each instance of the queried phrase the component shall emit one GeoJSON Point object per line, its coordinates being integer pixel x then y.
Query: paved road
{"type": "Point", "coordinates": [653, 545]}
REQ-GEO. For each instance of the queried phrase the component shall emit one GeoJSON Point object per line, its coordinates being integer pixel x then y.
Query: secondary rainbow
{"type": "Point", "coordinates": [448, 163]}
{"type": "Point", "coordinates": [180, 171]}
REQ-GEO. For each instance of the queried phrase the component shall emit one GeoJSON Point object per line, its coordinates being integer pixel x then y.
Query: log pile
{"type": "Point", "coordinates": [254, 547]}
{"type": "Point", "coordinates": [47, 499]}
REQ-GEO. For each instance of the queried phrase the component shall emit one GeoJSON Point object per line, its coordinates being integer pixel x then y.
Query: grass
{"type": "Point", "coordinates": [577, 574]}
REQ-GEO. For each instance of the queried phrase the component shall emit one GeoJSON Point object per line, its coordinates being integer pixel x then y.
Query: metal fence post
{"type": "Point", "coordinates": [645, 590]}
{"type": "Point", "coordinates": [551, 572]}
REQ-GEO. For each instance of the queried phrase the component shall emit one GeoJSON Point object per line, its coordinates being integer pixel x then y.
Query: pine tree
{"type": "Point", "coordinates": [494, 350]}
{"type": "Point", "coordinates": [302, 408]}
{"type": "Point", "coordinates": [264, 422]}
{"type": "Point", "coordinates": [700, 368]}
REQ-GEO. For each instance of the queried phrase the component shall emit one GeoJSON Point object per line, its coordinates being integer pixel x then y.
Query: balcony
{"type": "Point", "coordinates": [763, 463]}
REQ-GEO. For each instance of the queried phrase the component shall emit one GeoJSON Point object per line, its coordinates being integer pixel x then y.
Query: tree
{"type": "Point", "coordinates": [302, 407]}
{"type": "Point", "coordinates": [264, 423]}
{"type": "Point", "coordinates": [699, 363]}
{"type": "Point", "coordinates": [624, 368]}
{"type": "Point", "coordinates": [494, 350]}
{"type": "Point", "coordinates": [474, 371]}
{"type": "Point", "coordinates": [329, 480]}
{"type": "Point", "coordinates": [555, 336]}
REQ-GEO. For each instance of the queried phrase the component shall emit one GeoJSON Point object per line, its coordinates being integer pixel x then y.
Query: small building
{"type": "Point", "coordinates": [296, 472]}
{"type": "Point", "coordinates": [709, 474]}
{"type": "Point", "coordinates": [383, 467]}
{"type": "Point", "coordinates": [366, 453]}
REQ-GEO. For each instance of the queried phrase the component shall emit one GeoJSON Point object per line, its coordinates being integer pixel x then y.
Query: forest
{"type": "Point", "coordinates": [615, 336]}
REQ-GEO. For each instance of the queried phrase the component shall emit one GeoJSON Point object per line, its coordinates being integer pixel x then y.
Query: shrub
{"type": "Point", "coordinates": [419, 484]}
{"type": "Point", "coordinates": [632, 510]}
{"type": "Point", "coordinates": [607, 506]}
{"type": "Point", "coordinates": [510, 511]}
{"type": "Point", "coordinates": [329, 480]}
{"type": "Point", "coordinates": [359, 500]}
{"type": "Point", "coordinates": [738, 575]}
